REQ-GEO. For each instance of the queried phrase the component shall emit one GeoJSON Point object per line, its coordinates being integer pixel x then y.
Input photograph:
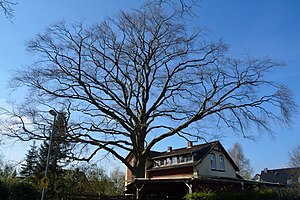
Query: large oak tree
{"type": "Point", "coordinates": [137, 78]}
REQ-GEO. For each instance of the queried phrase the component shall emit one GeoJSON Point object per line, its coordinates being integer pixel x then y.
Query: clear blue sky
{"type": "Point", "coordinates": [264, 27]}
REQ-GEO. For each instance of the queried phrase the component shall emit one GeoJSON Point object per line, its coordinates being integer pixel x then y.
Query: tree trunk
{"type": "Point", "coordinates": [139, 169]}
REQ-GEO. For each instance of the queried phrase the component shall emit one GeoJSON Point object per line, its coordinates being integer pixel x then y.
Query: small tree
{"type": "Point", "coordinates": [55, 165]}
{"type": "Point", "coordinates": [59, 149]}
{"type": "Point", "coordinates": [7, 172]}
{"type": "Point", "coordinates": [294, 157]}
{"type": "Point", "coordinates": [98, 179]}
{"type": "Point", "coordinates": [29, 168]}
{"type": "Point", "coordinates": [117, 181]}
{"type": "Point", "coordinates": [237, 154]}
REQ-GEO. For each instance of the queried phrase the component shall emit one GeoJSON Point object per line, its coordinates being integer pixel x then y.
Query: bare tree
{"type": "Point", "coordinates": [294, 156]}
{"type": "Point", "coordinates": [138, 78]}
{"type": "Point", "coordinates": [6, 8]}
{"type": "Point", "coordinates": [237, 154]}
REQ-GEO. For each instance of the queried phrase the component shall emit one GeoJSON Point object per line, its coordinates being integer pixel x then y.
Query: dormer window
{"type": "Point", "coordinates": [162, 162]}
{"type": "Point", "coordinates": [181, 159]}
{"type": "Point", "coordinates": [168, 161]}
{"type": "Point", "coordinates": [174, 160]}
{"type": "Point", "coordinates": [156, 163]}
{"type": "Point", "coordinates": [222, 162]}
{"type": "Point", "coordinates": [189, 158]}
{"type": "Point", "coordinates": [213, 161]}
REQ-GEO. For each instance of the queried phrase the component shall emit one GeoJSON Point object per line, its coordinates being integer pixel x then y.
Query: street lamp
{"type": "Point", "coordinates": [54, 114]}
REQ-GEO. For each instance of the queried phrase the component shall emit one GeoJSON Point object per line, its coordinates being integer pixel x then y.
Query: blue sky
{"type": "Point", "coordinates": [263, 27]}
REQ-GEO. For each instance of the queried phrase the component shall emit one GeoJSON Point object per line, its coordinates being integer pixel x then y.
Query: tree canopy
{"type": "Point", "coordinates": [31, 161]}
{"type": "Point", "coordinates": [294, 156]}
{"type": "Point", "coordinates": [137, 78]}
{"type": "Point", "coordinates": [237, 154]}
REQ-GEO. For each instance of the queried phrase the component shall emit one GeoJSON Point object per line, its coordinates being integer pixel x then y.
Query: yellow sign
{"type": "Point", "coordinates": [44, 182]}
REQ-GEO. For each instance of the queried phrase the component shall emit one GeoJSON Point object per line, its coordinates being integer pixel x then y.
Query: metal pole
{"type": "Point", "coordinates": [53, 113]}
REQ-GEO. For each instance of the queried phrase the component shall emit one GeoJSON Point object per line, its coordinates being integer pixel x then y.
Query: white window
{"type": "Point", "coordinates": [222, 162]}
{"type": "Point", "coordinates": [289, 182]}
{"type": "Point", "coordinates": [168, 161]}
{"type": "Point", "coordinates": [213, 161]}
{"type": "Point", "coordinates": [189, 158]}
{"type": "Point", "coordinates": [181, 159]}
{"type": "Point", "coordinates": [174, 160]}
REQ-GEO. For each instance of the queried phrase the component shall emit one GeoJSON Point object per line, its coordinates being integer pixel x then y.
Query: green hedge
{"type": "Point", "coordinates": [203, 195]}
{"type": "Point", "coordinates": [256, 194]}
{"type": "Point", "coordinates": [17, 190]}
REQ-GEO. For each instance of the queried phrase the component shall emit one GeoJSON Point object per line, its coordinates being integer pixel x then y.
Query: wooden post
{"type": "Point", "coordinates": [189, 187]}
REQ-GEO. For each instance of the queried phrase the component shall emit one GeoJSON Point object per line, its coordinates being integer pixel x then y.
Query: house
{"type": "Point", "coordinates": [285, 176]}
{"type": "Point", "coordinates": [208, 159]}
{"type": "Point", "coordinates": [176, 172]}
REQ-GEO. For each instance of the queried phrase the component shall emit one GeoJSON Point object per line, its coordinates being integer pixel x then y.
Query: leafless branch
{"type": "Point", "coordinates": [138, 78]}
{"type": "Point", "coordinates": [6, 7]}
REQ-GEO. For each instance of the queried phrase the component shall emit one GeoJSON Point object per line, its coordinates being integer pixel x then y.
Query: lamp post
{"type": "Point", "coordinates": [54, 114]}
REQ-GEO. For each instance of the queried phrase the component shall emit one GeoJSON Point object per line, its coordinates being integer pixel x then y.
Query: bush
{"type": "Point", "coordinates": [266, 194]}
{"type": "Point", "coordinates": [256, 194]}
{"type": "Point", "coordinates": [23, 191]}
{"type": "Point", "coordinates": [203, 195]}
{"type": "Point", "coordinates": [16, 190]}
{"type": "Point", "coordinates": [4, 192]}
{"type": "Point", "coordinates": [290, 193]}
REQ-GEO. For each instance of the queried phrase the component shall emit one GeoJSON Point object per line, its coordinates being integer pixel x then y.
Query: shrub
{"type": "Point", "coordinates": [203, 195]}
{"type": "Point", "coordinates": [226, 195]}
{"type": "Point", "coordinates": [22, 191]}
{"type": "Point", "coordinates": [290, 193]}
{"type": "Point", "coordinates": [13, 189]}
{"type": "Point", "coordinates": [256, 194]}
{"type": "Point", "coordinates": [265, 194]}
{"type": "Point", "coordinates": [4, 192]}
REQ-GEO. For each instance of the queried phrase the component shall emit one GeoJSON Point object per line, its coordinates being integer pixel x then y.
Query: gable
{"type": "Point", "coordinates": [218, 147]}
{"type": "Point", "coordinates": [217, 163]}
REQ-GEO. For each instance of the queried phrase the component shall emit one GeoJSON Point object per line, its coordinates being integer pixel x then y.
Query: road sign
{"type": "Point", "coordinates": [44, 182]}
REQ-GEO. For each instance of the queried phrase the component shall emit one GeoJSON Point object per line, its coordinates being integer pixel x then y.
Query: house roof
{"type": "Point", "coordinates": [184, 165]}
{"type": "Point", "coordinates": [280, 175]}
{"type": "Point", "coordinates": [199, 152]}
{"type": "Point", "coordinates": [201, 149]}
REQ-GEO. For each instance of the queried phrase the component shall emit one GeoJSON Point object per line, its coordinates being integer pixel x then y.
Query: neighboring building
{"type": "Point", "coordinates": [180, 171]}
{"type": "Point", "coordinates": [285, 176]}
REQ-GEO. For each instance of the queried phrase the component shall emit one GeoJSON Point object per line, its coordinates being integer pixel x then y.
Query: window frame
{"type": "Point", "coordinates": [168, 161]}
{"type": "Point", "coordinates": [181, 159]}
{"type": "Point", "coordinates": [213, 162]}
{"type": "Point", "coordinates": [189, 158]}
{"type": "Point", "coordinates": [174, 160]}
{"type": "Point", "coordinates": [222, 162]}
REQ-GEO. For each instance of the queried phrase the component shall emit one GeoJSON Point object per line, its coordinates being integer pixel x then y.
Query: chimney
{"type": "Point", "coordinates": [169, 148]}
{"type": "Point", "coordinates": [266, 170]}
{"type": "Point", "coordinates": [190, 144]}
